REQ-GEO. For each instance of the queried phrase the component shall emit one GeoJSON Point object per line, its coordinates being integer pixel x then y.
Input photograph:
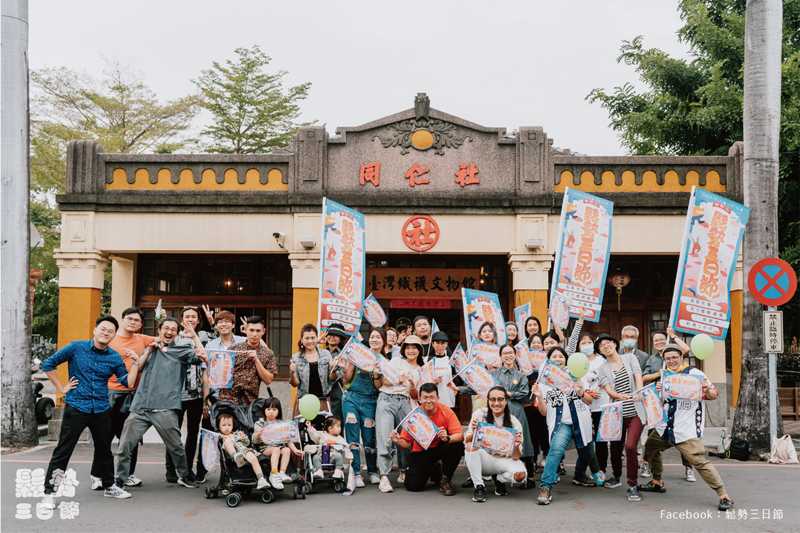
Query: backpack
{"type": "Point", "coordinates": [739, 449]}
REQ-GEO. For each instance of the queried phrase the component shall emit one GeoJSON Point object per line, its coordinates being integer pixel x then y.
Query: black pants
{"type": "Point", "coordinates": [118, 419]}
{"type": "Point", "coordinates": [335, 398]}
{"type": "Point", "coordinates": [537, 425]}
{"type": "Point", "coordinates": [420, 468]}
{"type": "Point", "coordinates": [600, 460]}
{"type": "Point", "coordinates": [72, 425]}
{"type": "Point", "coordinates": [193, 409]}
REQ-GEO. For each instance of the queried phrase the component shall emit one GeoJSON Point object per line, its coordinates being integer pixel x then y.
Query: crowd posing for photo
{"type": "Point", "coordinates": [122, 382]}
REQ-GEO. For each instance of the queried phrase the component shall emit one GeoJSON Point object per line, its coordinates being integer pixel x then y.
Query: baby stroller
{"type": "Point", "coordinates": [310, 449]}
{"type": "Point", "coordinates": [239, 482]}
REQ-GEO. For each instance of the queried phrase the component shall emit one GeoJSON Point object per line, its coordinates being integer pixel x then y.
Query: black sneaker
{"type": "Point", "coordinates": [725, 504]}
{"type": "Point", "coordinates": [561, 470]}
{"type": "Point", "coordinates": [480, 494]}
{"type": "Point", "coordinates": [467, 484]}
{"type": "Point", "coordinates": [612, 482]}
{"type": "Point", "coordinates": [189, 484]}
{"type": "Point", "coordinates": [584, 481]}
{"type": "Point", "coordinates": [527, 484]}
{"type": "Point", "coordinates": [201, 477]}
{"type": "Point", "coordinates": [172, 477]}
{"type": "Point", "coordinates": [499, 487]}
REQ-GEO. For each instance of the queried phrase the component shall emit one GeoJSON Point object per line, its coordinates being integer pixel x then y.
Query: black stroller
{"type": "Point", "coordinates": [238, 482]}
{"type": "Point", "coordinates": [310, 448]}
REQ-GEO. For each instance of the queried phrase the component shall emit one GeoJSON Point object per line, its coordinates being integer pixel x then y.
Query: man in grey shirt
{"type": "Point", "coordinates": [158, 399]}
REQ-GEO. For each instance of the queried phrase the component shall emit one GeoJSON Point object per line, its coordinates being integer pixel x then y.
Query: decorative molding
{"type": "Point", "coordinates": [444, 135]}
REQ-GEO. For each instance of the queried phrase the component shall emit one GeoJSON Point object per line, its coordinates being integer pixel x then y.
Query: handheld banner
{"type": "Point", "coordinates": [220, 369]}
{"type": "Point", "coordinates": [485, 353]}
{"type": "Point", "coordinates": [427, 372]}
{"type": "Point", "coordinates": [560, 305]}
{"type": "Point", "coordinates": [434, 327]}
{"type": "Point", "coordinates": [538, 357]}
{"type": "Point", "coordinates": [480, 307]}
{"type": "Point", "coordinates": [395, 351]}
{"type": "Point", "coordinates": [554, 376]}
{"type": "Point", "coordinates": [389, 371]}
{"type": "Point", "coordinates": [582, 251]}
{"type": "Point", "coordinates": [712, 235]}
{"type": "Point", "coordinates": [521, 315]}
{"type": "Point", "coordinates": [374, 312]}
{"type": "Point", "coordinates": [478, 378]}
{"type": "Point", "coordinates": [351, 483]}
{"type": "Point", "coordinates": [342, 269]}
{"type": "Point", "coordinates": [494, 439]}
{"type": "Point", "coordinates": [653, 406]}
{"type": "Point", "coordinates": [524, 358]}
{"type": "Point", "coordinates": [208, 449]}
{"type": "Point", "coordinates": [675, 386]}
{"type": "Point", "coordinates": [610, 426]}
{"type": "Point", "coordinates": [359, 355]}
{"type": "Point", "coordinates": [459, 359]}
{"type": "Point", "coordinates": [280, 433]}
{"type": "Point", "coordinates": [420, 427]}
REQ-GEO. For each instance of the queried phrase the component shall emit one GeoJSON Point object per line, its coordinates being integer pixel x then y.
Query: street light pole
{"type": "Point", "coordinates": [18, 420]}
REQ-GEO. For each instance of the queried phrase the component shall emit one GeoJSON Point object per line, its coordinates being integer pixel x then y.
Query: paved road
{"type": "Point", "coordinates": [159, 506]}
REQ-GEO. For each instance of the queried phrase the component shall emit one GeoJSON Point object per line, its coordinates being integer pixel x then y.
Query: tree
{"type": "Point", "coordinates": [252, 113]}
{"type": "Point", "coordinates": [696, 106]}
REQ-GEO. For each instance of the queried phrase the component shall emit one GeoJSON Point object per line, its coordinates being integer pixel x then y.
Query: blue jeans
{"type": "Point", "coordinates": [359, 425]}
{"type": "Point", "coordinates": [391, 410]}
{"type": "Point", "coordinates": [557, 447]}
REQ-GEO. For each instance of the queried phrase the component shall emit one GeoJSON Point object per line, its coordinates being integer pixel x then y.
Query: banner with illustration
{"type": "Point", "coordinates": [427, 372]}
{"type": "Point", "coordinates": [560, 304]}
{"type": "Point", "coordinates": [610, 427]}
{"type": "Point", "coordinates": [524, 358]}
{"type": "Point", "coordinates": [480, 307]}
{"type": "Point", "coordinates": [389, 372]}
{"type": "Point", "coordinates": [653, 406]}
{"type": "Point", "coordinates": [342, 269]}
{"type": "Point", "coordinates": [494, 439]}
{"type": "Point", "coordinates": [220, 369]}
{"type": "Point", "coordinates": [478, 378]}
{"type": "Point", "coordinates": [521, 315]}
{"type": "Point", "coordinates": [359, 355]}
{"type": "Point", "coordinates": [459, 359]}
{"type": "Point", "coordinates": [374, 312]}
{"type": "Point", "coordinates": [420, 427]}
{"type": "Point", "coordinates": [209, 452]}
{"type": "Point", "coordinates": [485, 353]}
{"type": "Point", "coordinates": [395, 351]}
{"type": "Point", "coordinates": [538, 358]}
{"type": "Point", "coordinates": [676, 386]}
{"type": "Point", "coordinates": [275, 433]}
{"type": "Point", "coordinates": [351, 483]}
{"type": "Point", "coordinates": [552, 375]}
{"type": "Point", "coordinates": [582, 250]}
{"type": "Point", "coordinates": [712, 235]}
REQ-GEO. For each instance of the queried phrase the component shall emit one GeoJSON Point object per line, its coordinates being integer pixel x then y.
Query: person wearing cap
{"type": "Point", "coordinates": [394, 404]}
{"type": "Point", "coordinates": [444, 371]}
{"type": "Point", "coordinates": [621, 376]}
{"type": "Point", "coordinates": [335, 339]}
{"type": "Point", "coordinates": [684, 430]}
{"type": "Point", "coordinates": [403, 327]}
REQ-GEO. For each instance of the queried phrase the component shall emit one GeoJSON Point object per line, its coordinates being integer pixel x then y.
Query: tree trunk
{"type": "Point", "coordinates": [762, 116]}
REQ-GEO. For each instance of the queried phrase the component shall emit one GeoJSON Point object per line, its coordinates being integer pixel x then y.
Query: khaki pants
{"type": "Point", "coordinates": [692, 450]}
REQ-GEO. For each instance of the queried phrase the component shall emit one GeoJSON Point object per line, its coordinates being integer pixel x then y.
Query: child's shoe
{"type": "Point", "coordinates": [238, 459]}
{"type": "Point", "coordinates": [337, 474]}
{"type": "Point", "coordinates": [318, 474]}
{"type": "Point", "coordinates": [262, 483]}
{"type": "Point", "coordinates": [276, 482]}
{"type": "Point", "coordinates": [284, 477]}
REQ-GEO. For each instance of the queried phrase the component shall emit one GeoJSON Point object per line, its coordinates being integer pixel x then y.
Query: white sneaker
{"type": "Point", "coordinates": [262, 483]}
{"type": "Point", "coordinates": [338, 474]}
{"type": "Point", "coordinates": [318, 474]}
{"type": "Point", "coordinates": [132, 481]}
{"type": "Point", "coordinates": [284, 477]}
{"type": "Point", "coordinates": [646, 470]}
{"type": "Point", "coordinates": [275, 481]}
{"type": "Point", "coordinates": [115, 492]}
{"type": "Point", "coordinates": [401, 478]}
{"type": "Point", "coordinates": [49, 501]}
{"type": "Point", "coordinates": [359, 481]}
{"type": "Point", "coordinates": [690, 474]}
{"type": "Point", "coordinates": [97, 483]}
{"type": "Point", "coordinates": [385, 484]}
{"type": "Point", "coordinates": [375, 479]}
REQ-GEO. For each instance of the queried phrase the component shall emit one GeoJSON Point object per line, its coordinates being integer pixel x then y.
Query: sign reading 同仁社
{"type": "Point", "coordinates": [773, 331]}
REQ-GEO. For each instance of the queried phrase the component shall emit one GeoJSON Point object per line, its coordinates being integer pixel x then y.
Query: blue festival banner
{"type": "Point", "coordinates": [480, 307]}
{"type": "Point", "coordinates": [342, 284]}
{"type": "Point", "coordinates": [521, 315]}
{"type": "Point", "coordinates": [208, 449]}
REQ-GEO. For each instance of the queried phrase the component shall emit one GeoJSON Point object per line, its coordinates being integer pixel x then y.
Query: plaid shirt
{"type": "Point", "coordinates": [246, 381]}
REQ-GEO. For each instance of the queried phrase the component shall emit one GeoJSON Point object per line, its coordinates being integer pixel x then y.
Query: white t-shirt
{"type": "Point", "coordinates": [591, 381]}
{"type": "Point", "coordinates": [480, 414]}
{"type": "Point", "coordinates": [554, 398]}
{"type": "Point", "coordinates": [688, 419]}
{"type": "Point", "coordinates": [446, 395]}
{"type": "Point", "coordinates": [403, 366]}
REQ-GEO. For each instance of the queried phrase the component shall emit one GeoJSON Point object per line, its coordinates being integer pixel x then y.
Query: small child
{"type": "Point", "coordinates": [281, 453]}
{"type": "Point", "coordinates": [236, 444]}
{"type": "Point", "coordinates": [332, 434]}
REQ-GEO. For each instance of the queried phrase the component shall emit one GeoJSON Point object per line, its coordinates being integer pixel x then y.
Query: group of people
{"type": "Point", "coordinates": [122, 383]}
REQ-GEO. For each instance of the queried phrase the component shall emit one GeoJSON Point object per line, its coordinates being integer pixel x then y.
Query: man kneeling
{"type": "Point", "coordinates": [502, 468]}
{"type": "Point", "coordinates": [447, 446]}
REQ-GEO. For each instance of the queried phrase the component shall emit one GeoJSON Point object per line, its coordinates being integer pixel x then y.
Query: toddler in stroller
{"type": "Point", "coordinates": [278, 455]}
{"type": "Point", "coordinates": [329, 452]}
{"type": "Point", "coordinates": [236, 444]}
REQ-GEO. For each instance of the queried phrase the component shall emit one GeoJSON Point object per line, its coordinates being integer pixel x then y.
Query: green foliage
{"type": "Point", "coordinates": [252, 113]}
{"type": "Point", "coordinates": [695, 107]}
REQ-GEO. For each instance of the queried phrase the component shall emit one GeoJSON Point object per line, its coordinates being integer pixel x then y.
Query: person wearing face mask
{"type": "Point", "coordinates": [630, 340]}
{"type": "Point", "coordinates": [591, 382]}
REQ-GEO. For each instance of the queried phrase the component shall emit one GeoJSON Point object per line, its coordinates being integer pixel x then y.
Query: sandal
{"type": "Point", "coordinates": [652, 487]}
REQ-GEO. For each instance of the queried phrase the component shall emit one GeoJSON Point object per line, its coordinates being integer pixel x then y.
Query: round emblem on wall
{"type": "Point", "coordinates": [422, 139]}
{"type": "Point", "coordinates": [420, 233]}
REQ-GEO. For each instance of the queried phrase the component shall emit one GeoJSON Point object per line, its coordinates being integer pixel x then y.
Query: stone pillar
{"type": "Point", "coordinates": [736, 329]}
{"type": "Point", "coordinates": [123, 285]}
{"type": "Point", "coordinates": [530, 267]}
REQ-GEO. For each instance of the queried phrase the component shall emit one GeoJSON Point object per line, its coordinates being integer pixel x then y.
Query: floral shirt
{"type": "Point", "coordinates": [246, 381]}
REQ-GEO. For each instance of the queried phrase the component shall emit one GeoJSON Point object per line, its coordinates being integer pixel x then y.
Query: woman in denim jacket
{"type": "Point", "coordinates": [309, 370]}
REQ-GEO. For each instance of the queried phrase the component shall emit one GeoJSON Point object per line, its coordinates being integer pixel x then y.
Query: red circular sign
{"type": "Point", "coordinates": [772, 281]}
{"type": "Point", "coordinates": [420, 233]}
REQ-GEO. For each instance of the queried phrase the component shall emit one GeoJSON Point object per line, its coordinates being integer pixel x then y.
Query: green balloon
{"type": "Point", "coordinates": [309, 406]}
{"type": "Point", "coordinates": [702, 345]}
{"type": "Point", "coordinates": [578, 365]}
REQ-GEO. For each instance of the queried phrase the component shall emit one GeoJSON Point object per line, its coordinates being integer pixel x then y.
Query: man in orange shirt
{"type": "Point", "coordinates": [439, 462]}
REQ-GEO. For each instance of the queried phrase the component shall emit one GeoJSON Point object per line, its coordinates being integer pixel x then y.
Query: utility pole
{"type": "Point", "coordinates": [18, 419]}
{"type": "Point", "coordinates": [762, 118]}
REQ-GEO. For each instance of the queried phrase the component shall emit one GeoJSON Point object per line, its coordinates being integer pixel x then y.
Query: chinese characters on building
{"type": "Point", "coordinates": [419, 175]}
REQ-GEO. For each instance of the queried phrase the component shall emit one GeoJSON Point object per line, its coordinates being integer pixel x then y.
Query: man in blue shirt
{"type": "Point", "coordinates": [91, 363]}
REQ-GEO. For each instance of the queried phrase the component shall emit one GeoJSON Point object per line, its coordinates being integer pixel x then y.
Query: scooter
{"type": "Point", "coordinates": [44, 406]}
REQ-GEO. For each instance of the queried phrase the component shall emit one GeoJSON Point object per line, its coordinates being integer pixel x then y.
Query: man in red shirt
{"type": "Point", "coordinates": [439, 462]}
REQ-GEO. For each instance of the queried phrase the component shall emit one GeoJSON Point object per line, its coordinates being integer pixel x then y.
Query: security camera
{"type": "Point", "coordinates": [280, 237]}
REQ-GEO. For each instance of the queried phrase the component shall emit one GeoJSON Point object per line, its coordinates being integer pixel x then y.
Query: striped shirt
{"type": "Point", "coordinates": [622, 385]}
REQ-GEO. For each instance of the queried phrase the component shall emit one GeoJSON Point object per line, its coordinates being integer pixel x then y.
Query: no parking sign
{"type": "Point", "coordinates": [772, 281]}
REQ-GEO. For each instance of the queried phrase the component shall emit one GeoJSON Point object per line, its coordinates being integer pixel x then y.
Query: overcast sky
{"type": "Point", "coordinates": [499, 64]}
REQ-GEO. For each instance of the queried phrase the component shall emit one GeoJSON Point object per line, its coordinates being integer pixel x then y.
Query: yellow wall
{"type": "Point", "coordinates": [649, 182]}
{"type": "Point", "coordinates": [78, 308]}
{"type": "Point", "coordinates": [736, 342]}
{"type": "Point", "coordinates": [208, 181]}
{"type": "Point", "coordinates": [538, 300]}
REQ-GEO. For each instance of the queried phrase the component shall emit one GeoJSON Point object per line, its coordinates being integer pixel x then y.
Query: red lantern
{"type": "Point", "coordinates": [618, 280]}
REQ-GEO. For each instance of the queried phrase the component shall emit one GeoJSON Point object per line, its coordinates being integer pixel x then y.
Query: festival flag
{"type": "Point", "coordinates": [275, 433]}
{"type": "Point", "coordinates": [538, 357]}
{"type": "Point", "coordinates": [653, 406]}
{"type": "Point", "coordinates": [712, 236]}
{"type": "Point", "coordinates": [584, 240]}
{"type": "Point", "coordinates": [420, 427]}
{"type": "Point", "coordinates": [554, 376]}
{"type": "Point", "coordinates": [677, 386]}
{"type": "Point", "coordinates": [209, 452]}
{"type": "Point", "coordinates": [395, 351]}
{"type": "Point", "coordinates": [523, 358]}
{"type": "Point", "coordinates": [220, 369]}
{"type": "Point", "coordinates": [478, 378]}
{"type": "Point", "coordinates": [610, 425]}
{"type": "Point", "coordinates": [494, 439]}
{"type": "Point", "coordinates": [374, 312]}
{"type": "Point", "coordinates": [427, 372]}
{"type": "Point", "coordinates": [480, 307]}
{"type": "Point", "coordinates": [485, 353]}
{"type": "Point", "coordinates": [351, 483]}
{"type": "Point", "coordinates": [359, 355]}
{"type": "Point", "coordinates": [459, 359]}
{"type": "Point", "coordinates": [389, 371]}
{"type": "Point", "coordinates": [560, 304]}
{"type": "Point", "coordinates": [521, 315]}
{"type": "Point", "coordinates": [342, 268]}
{"type": "Point", "coordinates": [434, 327]}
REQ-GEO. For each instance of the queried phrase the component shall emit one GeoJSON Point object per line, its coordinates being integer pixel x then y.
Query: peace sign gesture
{"type": "Point", "coordinates": [209, 314]}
